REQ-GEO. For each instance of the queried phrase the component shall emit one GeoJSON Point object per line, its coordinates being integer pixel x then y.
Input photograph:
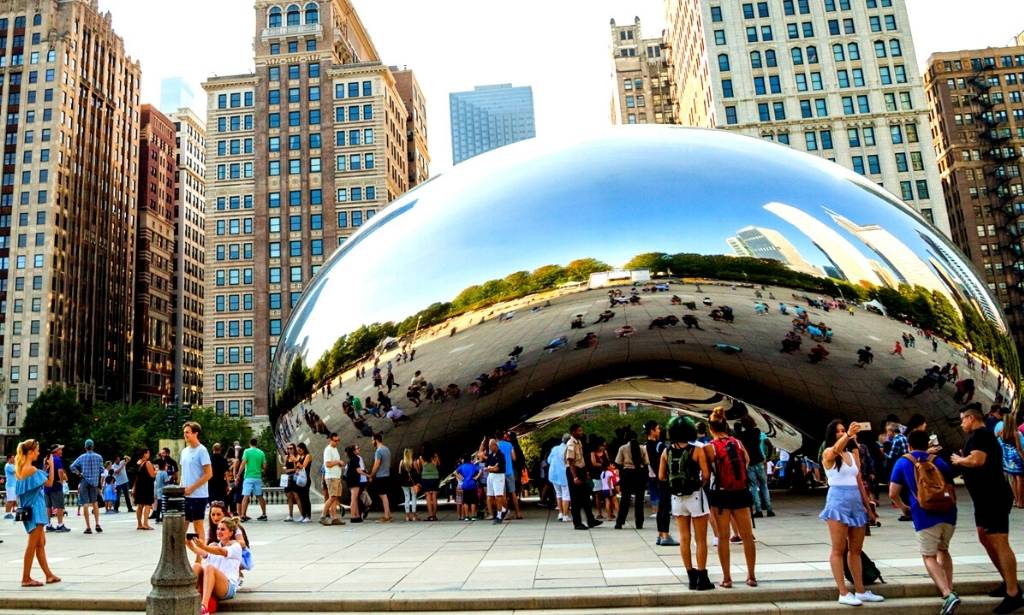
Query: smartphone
{"type": "Point", "coordinates": [191, 536]}
{"type": "Point", "coordinates": [864, 425]}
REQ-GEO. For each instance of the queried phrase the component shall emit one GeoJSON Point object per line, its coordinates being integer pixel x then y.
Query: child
{"type": "Point", "coordinates": [109, 492]}
{"type": "Point", "coordinates": [158, 488]}
{"type": "Point", "coordinates": [607, 489]}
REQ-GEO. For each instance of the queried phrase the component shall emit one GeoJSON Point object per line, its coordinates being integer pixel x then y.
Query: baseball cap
{"type": "Point", "coordinates": [88, 443]}
{"type": "Point", "coordinates": [55, 448]}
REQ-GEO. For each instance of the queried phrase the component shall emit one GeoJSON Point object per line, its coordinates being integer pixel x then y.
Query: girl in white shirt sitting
{"type": "Point", "coordinates": [218, 575]}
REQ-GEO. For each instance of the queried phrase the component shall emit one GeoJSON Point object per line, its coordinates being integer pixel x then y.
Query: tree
{"type": "Point", "coordinates": [652, 261]}
{"type": "Point", "coordinates": [267, 443]}
{"type": "Point", "coordinates": [580, 269]}
{"type": "Point", "coordinates": [54, 418]}
{"type": "Point", "coordinates": [220, 428]}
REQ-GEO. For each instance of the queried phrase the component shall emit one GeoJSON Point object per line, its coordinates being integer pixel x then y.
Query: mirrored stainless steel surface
{"type": "Point", "coordinates": [657, 266]}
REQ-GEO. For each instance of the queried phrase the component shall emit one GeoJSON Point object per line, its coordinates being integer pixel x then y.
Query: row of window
{"type": "Point", "coordinates": [790, 7]}
{"type": "Point", "coordinates": [234, 379]}
{"type": "Point", "coordinates": [234, 147]}
{"type": "Point", "coordinates": [232, 406]}
{"type": "Point", "coordinates": [233, 251]}
{"type": "Point", "coordinates": [235, 170]}
{"type": "Point", "coordinates": [234, 123]}
{"type": "Point", "coordinates": [295, 198]}
{"type": "Point", "coordinates": [234, 202]}
{"type": "Point", "coordinates": [316, 248]}
{"type": "Point", "coordinates": [234, 100]}
{"type": "Point", "coordinates": [233, 303]}
{"type": "Point", "coordinates": [294, 71]}
{"type": "Point", "coordinates": [233, 226]}
{"type": "Point", "coordinates": [294, 276]}
{"type": "Point", "coordinates": [33, 373]}
{"type": "Point", "coordinates": [292, 47]}
{"type": "Point", "coordinates": [232, 328]}
{"type": "Point", "coordinates": [233, 277]}
{"type": "Point", "coordinates": [233, 355]}
{"type": "Point", "coordinates": [293, 15]}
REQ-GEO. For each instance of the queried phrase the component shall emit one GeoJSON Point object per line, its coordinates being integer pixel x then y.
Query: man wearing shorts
{"type": "Point", "coordinates": [89, 466]}
{"type": "Point", "coordinates": [982, 465]}
{"type": "Point", "coordinates": [934, 529]}
{"type": "Point", "coordinates": [496, 480]}
{"type": "Point", "coordinates": [332, 476]}
{"type": "Point", "coordinates": [196, 471]}
{"type": "Point", "coordinates": [380, 474]}
{"type": "Point", "coordinates": [254, 463]}
{"type": "Point", "coordinates": [557, 476]}
{"type": "Point", "coordinates": [467, 474]}
{"type": "Point", "coordinates": [509, 451]}
{"type": "Point", "coordinates": [55, 492]}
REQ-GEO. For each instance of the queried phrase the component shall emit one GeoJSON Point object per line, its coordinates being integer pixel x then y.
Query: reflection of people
{"type": "Point", "coordinates": [556, 343]}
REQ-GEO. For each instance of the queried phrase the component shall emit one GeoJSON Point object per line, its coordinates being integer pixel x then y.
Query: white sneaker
{"type": "Point", "coordinates": [560, 516]}
{"type": "Point", "coordinates": [304, 520]}
{"type": "Point", "coordinates": [869, 596]}
{"type": "Point", "coordinates": [714, 541]}
{"type": "Point", "coordinates": [850, 600]}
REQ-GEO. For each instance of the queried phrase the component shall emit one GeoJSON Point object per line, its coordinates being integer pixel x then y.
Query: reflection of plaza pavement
{"type": "Point", "coordinates": [424, 560]}
{"type": "Point", "coordinates": [805, 394]}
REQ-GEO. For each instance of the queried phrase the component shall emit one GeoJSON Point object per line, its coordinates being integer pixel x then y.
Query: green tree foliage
{"type": "Point", "coordinates": [268, 445]}
{"type": "Point", "coordinates": [54, 418]}
{"type": "Point", "coordinates": [599, 421]}
{"type": "Point", "coordinates": [580, 269]}
{"type": "Point", "coordinates": [655, 262]}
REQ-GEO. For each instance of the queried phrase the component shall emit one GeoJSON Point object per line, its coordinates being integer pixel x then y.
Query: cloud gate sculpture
{"type": "Point", "coordinates": [643, 266]}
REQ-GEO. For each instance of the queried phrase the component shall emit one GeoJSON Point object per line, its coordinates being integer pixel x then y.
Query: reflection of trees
{"type": "Point", "coordinates": [349, 349]}
{"type": "Point", "coordinates": [751, 270]}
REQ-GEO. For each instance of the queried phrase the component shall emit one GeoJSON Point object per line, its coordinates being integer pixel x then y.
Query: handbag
{"type": "Point", "coordinates": [364, 498]}
{"type": "Point", "coordinates": [21, 514]}
{"type": "Point", "coordinates": [283, 481]}
{"type": "Point", "coordinates": [301, 478]}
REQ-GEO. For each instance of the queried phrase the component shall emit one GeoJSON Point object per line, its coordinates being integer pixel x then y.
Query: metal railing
{"type": "Point", "coordinates": [274, 495]}
{"type": "Point", "coordinates": [301, 30]}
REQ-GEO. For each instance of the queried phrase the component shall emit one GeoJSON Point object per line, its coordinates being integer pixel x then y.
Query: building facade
{"type": "Point", "coordinates": [977, 126]}
{"type": "Point", "coordinates": [189, 256]}
{"type": "Point", "coordinates": [154, 260]}
{"type": "Point", "coordinates": [415, 103]}
{"type": "Point", "coordinates": [67, 203]}
{"type": "Point", "coordinates": [837, 79]}
{"type": "Point", "coordinates": [640, 78]}
{"type": "Point", "coordinates": [175, 93]}
{"type": "Point", "coordinates": [299, 155]}
{"type": "Point", "coordinates": [489, 117]}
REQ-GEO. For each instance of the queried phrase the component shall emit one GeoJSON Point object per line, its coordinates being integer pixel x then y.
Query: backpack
{"type": "Point", "coordinates": [730, 468]}
{"type": "Point", "coordinates": [683, 472]}
{"type": "Point", "coordinates": [933, 494]}
{"type": "Point", "coordinates": [869, 571]}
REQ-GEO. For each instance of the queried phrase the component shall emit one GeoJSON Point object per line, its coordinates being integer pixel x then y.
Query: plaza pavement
{"type": "Point", "coordinates": [379, 564]}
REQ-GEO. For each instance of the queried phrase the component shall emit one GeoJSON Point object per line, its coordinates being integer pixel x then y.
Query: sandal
{"type": "Point", "coordinates": [31, 583]}
{"type": "Point", "coordinates": [52, 580]}
{"type": "Point", "coordinates": [752, 582]}
{"type": "Point", "coordinates": [726, 584]}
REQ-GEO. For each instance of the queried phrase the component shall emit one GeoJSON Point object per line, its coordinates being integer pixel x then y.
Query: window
{"type": "Point", "coordinates": [875, 23]}
{"type": "Point", "coordinates": [812, 55]}
{"type": "Point", "coordinates": [895, 50]}
{"type": "Point", "coordinates": [719, 37]}
{"type": "Point", "coordinates": [805, 109]}
{"type": "Point", "coordinates": [342, 219]}
{"type": "Point", "coordinates": [907, 190]}
{"type": "Point", "coordinates": [730, 115]}
{"type": "Point", "coordinates": [763, 113]}
{"type": "Point", "coordinates": [808, 29]}
{"type": "Point", "coordinates": [858, 77]}
{"type": "Point", "coordinates": [755, 59]}
{"type": "Point", "coordinates": [901, 73]}
{"type": "Point", "coordinates": [766, 33]}
{"type": "Point", "coordinates": [833, 27]}
{"type": "Point", "coordinates": [843, 78]}
{"type": "Point", "coordinates": [716, 14]}
{"type": "Point", "coordinates": [779, 108]}
{"type": "Point", "coordinates": [798, 56]}
{"type": "Point", "coordinates": [816, 83]}
{"type": "Point", "coordinates": [811, 138]}
{"type": "Point", "coordinates": [853, 51]}
{"type": "Point", "coordinates": [885, 75]}
{"type": "Point", "coordinates": [890, 24]}
{"type": "Point", "coordinates": [821, 107]}
{"type": "Point", "coordinates": [853, 135]}
{"type": "Point", "coordinates": [726, 88]}
{"type": "Point", "coordinates": [901, 162]}
{"type": "Point", "coordinates": [838, 53]}
{"type": "Point", "coordinates": [869, 136]}
{"type": "Point", "coordinates": [873, 167]}
{"type": "Point", "coordinates": [748, 11]}
{"type": "Point", "coordinates": [922, 189]}
{"type": "Point", "coordinates": [826, 139]}
{"type": "Point", "coordinates": [801, 82]}
{"type": "Point", "coordinates": [880, 49]}
{"type": "Point", "coordinates": [863, 105]}
{"type": "Point", "coordinates": [848, 27]}
{"type": "Point", "coordinates": [723, 62]}
{"type": "Point", "coordinates": [752, 34]}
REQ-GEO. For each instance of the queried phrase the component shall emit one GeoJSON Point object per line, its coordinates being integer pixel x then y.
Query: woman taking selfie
{"type": "Point", "coordinates": [846, 510]}
{"type": "Point", "coordinates": [217, 576]}
{"type": "Point", "coordinates": [29, 489]}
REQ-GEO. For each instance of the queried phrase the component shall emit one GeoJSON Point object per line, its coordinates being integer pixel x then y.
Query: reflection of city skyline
{"type": "Point", "coordinates": [853, 266]}
{"type": "Point", "coordinates": [760, 242]}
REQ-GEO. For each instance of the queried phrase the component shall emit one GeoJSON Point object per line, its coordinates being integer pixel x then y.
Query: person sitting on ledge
{"type": "Point", "coordinates": [218, 576]}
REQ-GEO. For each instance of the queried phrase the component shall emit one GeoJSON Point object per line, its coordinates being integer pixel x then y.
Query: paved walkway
{"type": "Point", "coordinates": [450, 556]}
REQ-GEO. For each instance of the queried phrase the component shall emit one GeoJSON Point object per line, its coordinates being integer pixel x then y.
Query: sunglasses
{"type": "Point", "coordinates": [217, 503]}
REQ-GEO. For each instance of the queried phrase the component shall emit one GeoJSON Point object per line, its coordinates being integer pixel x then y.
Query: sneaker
{"type": "Point", "coordinates": [950, 604]}
{"type": "Point", "coordinates": [758, 515]}
{"type": "Point", "coordinates": [262, 518]}
{"type": "Point", "coordinates": [50, 528]}
{"type": "Point", "coordinates": [998, 592]}
{"type": "Point", "coordinates": [497, 520]}
{"type": "Point", "coordinates": [337, 522]}
{"type": "Point", "coordinates": [1010, 603]}
{"type": "Point", "coordinates": [869, 596]}
{"type": "Point", "coordinates": [88, 530]}
{"type": "Point", "coordinates": [595, 523]}
{"type": "Point", "coordinates": [356, 520]}
{"type": "Point", "coordinates": [62, 528]}
{"type": "Point", "coordinates": [849, 600]}
{"type": "Point", "coordinates": [288, 520]}
{"type": "Point", "coordinates": [99, 530]}
{"type": "Point", "coordinates": [304, 520]}
{"type": "Point", "coordinates": [669, 542]}
{"type": "Point", "coordinates": [9, 516]}
{"type": "Point", "coordinates": [905, 518]}
{"type": "Point", "coordinates": [771, 513]}
{"type": "Point", "coordinates": [325, 521]}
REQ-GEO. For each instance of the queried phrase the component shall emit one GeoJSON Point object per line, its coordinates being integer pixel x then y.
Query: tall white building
{"type": "Point", "coordinates": [836, 78]}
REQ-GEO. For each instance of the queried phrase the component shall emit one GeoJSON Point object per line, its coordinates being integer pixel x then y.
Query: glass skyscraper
{"type": "Point", "coordinates": [488, 117]}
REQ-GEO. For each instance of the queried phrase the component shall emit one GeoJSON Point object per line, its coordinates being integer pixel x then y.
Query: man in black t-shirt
{"type": "Point", "coordinates": [982, 465]}
{"type": "Point", "coordinates": [757, 475]}
{"type": "Point", "coordinates": [658, 488]}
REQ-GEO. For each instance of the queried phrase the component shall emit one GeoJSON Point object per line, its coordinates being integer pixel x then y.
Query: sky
{"type": "Point", "coordinates": [560, 47]}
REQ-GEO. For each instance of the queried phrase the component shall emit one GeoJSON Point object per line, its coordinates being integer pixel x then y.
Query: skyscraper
{"type": "Point", "coordinates": [761, 242]}
{"type": "Point", "coordinates": [978, 134]}
{"type": "Point", "coordinates": [189, 256]}
{"type": "Point", "coordinates": [175, 93]}
{"type": "Point", "coordinates": [837, 79]}
{"type": "Point", "coordinates": [641, 79]}
{"type": "Point", "coordinates": [489, 117]}
{"type": "Point", "coordinates": [299, 155]}
{"type": "Point", "coordinates": [68, 206]}
{"type": "Point", "coordinates": [155, 264]}
{"type": "Point", "coordinates": [416, 124]}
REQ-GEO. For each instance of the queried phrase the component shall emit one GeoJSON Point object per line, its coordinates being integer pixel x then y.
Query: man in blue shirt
{"type": "Point", "coordinates": [934, 529]}
{"type": "Point", "coordinates": [468, 473]}
{"type": "Point", "coordinates": [511, 492]}
{"type": "Point", "coordinates": [55, 492]}
{"type": "Point", "coordinates": [89, 466]}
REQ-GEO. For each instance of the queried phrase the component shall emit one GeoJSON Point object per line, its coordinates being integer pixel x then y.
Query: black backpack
{"type": "Point", "coordinates": [683, 471]}
{"type": "Point", "coordinates": [868, 568]}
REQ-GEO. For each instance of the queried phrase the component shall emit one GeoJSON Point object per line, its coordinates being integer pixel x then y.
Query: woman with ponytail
{"type": "Point", "coordinates": [730, 498]}
{"type": "Point", "coordinates": [29, 489]}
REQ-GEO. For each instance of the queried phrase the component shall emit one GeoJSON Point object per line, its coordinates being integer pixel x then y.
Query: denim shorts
{"type": "Point", "coordinates": [252, 487]}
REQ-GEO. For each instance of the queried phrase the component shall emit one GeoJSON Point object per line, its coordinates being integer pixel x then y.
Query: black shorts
{"type": "Point", "coordinates": [55, 499]}
{"type": "Point", "coordinates": [994, 516]}
{"type": "Point", "coordinates": [469, 496]}
{"type": "Point", "coordinates": [734, 499]}
{"type": "Point", "coordinates": [195, 509]}
{"type": "Point", "coordinates": [381, 485]}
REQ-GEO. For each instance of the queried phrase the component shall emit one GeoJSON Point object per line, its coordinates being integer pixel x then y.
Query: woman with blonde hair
{"type": "Point", "coordinates": [29, 489]}
{"type": "Point", "coordinates": [410, 484]}
{"type": "Point", "coordinates": [219, 576]}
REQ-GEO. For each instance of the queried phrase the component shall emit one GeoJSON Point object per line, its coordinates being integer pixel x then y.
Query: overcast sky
{"type": "Point", "coordinates": [560, 47]}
